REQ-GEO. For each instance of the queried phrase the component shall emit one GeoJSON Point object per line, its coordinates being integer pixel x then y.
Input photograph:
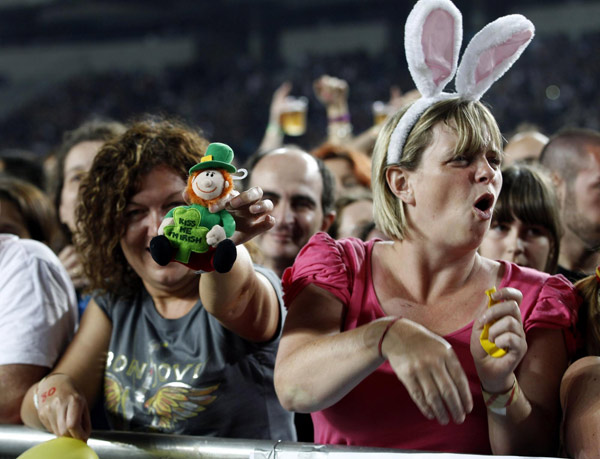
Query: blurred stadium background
{"type": "Point", "coordinates": [215, 64]}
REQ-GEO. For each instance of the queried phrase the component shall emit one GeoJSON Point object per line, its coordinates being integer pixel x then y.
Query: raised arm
{"type": "Point", "coordinates": [75, 383]}
{"type": "Point", "coordinates": [273, 137]}
{"type": "Point", "coordinates": [243, 300]}
{"type": "Point", "coordinates": [532, 369]}
{"type": "Point", "coordinates": [332, 92]}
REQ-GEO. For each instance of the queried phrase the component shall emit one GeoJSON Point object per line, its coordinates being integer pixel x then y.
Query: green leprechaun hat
{"type": "Point", "coordinates": [217, 156]}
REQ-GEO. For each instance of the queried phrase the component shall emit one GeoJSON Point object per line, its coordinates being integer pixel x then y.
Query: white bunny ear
{"type": "Point", "coordinates": [432, 40]}
{"type": "Point", "coordinates": [492, 52]}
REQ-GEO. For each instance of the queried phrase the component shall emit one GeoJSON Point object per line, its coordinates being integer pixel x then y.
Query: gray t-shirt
{"type": "Point", "coordinates": [190, 375]}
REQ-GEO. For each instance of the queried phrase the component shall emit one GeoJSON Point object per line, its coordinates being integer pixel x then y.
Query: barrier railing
{"type": "Point", "coordinates": [14, 440]}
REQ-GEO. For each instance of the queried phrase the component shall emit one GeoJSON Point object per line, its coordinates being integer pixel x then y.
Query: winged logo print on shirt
{"type": "Point", "coordinates": [176, 402]}
{"type": "Point", "coordinates": [115, 398]}
{"type": "Point", "coordinates": [172, 403]}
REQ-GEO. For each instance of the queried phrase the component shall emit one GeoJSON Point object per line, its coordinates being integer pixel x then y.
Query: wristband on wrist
{"type": "Point", "coordinates": [340, 119]}
{"type": "Point", "coordinates": [339, 131]}
{"type": "Point", "coordinates": [497, 403]}
{"type": "Point", "coordinates": [387, 328]}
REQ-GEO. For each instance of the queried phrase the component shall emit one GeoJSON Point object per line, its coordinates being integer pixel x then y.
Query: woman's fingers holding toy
{"type": "Point", "coordinates": [250, 204]}
{"type": "Point", "coordinates": [251, 214]}
{"type": "Point", "coordinates": [261, 207]}
{"type": "Point", "coordinates": [245, 199]}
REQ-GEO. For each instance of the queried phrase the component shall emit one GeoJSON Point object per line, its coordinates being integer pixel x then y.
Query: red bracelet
{"type": "Point", "coordinates": [387, 327]}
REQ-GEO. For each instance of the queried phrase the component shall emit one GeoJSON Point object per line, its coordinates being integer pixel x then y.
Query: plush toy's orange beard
{"type": "Point", "coordinates": [207, 202]}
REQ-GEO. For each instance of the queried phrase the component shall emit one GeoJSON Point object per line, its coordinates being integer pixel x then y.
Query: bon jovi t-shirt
{"type": "Point", "coordinates": [190, 375]}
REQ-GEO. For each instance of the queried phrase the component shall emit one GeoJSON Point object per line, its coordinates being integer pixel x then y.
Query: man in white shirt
{"type": "Point", "coordinates": [38, 318]}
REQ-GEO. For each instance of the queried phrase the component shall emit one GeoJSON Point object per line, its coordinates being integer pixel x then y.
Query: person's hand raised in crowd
{"type": "Point", "coordinates": [331, 90]}
{"type": "Point", "coordinates": [72, 263]}
{"type": "Point", "coordinates": [430, 370]}
{"type": "Point", "coordinates": [62, 409]}
{"type": "Point", "coordinates": [506, 332]}
{"type": "Point", "coordinates": [399, 99]}
{"type": "Point", "coordinates": [278, 102]}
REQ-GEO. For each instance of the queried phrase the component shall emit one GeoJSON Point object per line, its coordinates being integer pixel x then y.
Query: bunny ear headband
{"type": "Point", "coordinates": [432, 39]}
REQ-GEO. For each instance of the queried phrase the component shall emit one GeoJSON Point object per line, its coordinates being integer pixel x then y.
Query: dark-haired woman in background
{"type": "Point", "coordinates": [526, 227]}
{"type": "Point", "coordinates": [74, 159]}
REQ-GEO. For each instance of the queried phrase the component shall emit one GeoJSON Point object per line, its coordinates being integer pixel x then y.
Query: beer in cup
{"type": "Point", "coordinates": [380, 112]}
{"type": "Point", "coordinates": [293, 116]}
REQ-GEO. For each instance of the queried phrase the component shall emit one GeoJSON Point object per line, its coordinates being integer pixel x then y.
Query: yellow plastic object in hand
{"type": "Point", "coordinates": [487, 345]}
{"type": "Point", "coordinates": [60, 448]}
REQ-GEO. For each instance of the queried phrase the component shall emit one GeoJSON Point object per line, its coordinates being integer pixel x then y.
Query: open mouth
{"type": "Point", "coordinates": [485, 202]}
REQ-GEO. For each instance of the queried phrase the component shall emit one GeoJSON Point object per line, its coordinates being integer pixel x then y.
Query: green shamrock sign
{"type": "Point", "coordinates": [186, 234]}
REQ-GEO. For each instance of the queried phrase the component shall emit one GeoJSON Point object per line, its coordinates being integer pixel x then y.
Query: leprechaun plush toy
{"type": "Point", "coordinates": [193, 235]}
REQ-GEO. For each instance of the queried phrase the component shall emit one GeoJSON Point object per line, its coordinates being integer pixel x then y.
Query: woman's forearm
{"type": "Point", "coordinates": [318, 372]}
{"type": "Point", "coordinates": [242, 300]}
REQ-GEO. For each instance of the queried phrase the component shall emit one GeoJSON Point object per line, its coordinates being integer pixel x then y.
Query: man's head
{"type": "Point", "coordinates": [573, 158]}
{"type": "Point", "coordinates": [525, 147]}
{"type": "Point", "coordinates": [302, 191]}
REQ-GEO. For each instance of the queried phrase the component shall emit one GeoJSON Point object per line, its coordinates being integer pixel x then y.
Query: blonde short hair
{"type": "Point", "coordinates": [475, 128]}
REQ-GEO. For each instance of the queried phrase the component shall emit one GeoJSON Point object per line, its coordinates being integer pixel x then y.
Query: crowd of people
{"type": "Point", "coordinates": [229, 98]}
{"type": "Point", "coordinates": [419, 284]}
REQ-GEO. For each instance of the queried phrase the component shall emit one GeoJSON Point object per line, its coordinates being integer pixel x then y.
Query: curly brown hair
{"type": "Point", "coordinates": [116, 175]}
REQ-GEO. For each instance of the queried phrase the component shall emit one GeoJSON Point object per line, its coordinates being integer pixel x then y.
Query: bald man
{"type": "Point", "coordinates": [302, 191]}
{"type": "Point", "coordinates": [524, 147]}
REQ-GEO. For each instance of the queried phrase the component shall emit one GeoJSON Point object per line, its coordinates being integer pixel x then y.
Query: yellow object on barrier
{"type": "Point", "coordinates": [60, 448]}
{"type": "Point", "coordinates": [487, 345]}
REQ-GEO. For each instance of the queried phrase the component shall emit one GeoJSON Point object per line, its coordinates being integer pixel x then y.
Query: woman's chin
{"type": "Point", "coordinates": [170, 275]}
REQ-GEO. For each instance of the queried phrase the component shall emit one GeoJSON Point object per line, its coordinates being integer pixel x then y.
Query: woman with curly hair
{"type": "Point", "coordinates": [172, 350]}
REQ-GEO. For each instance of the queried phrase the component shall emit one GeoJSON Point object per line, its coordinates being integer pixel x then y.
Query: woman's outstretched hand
{"type": "Point", "coordinates": [506, 331]}
{"type": "Point", "coordinates": [429, 369]}
{"type": "Point", "coordinates": [251, 213]}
